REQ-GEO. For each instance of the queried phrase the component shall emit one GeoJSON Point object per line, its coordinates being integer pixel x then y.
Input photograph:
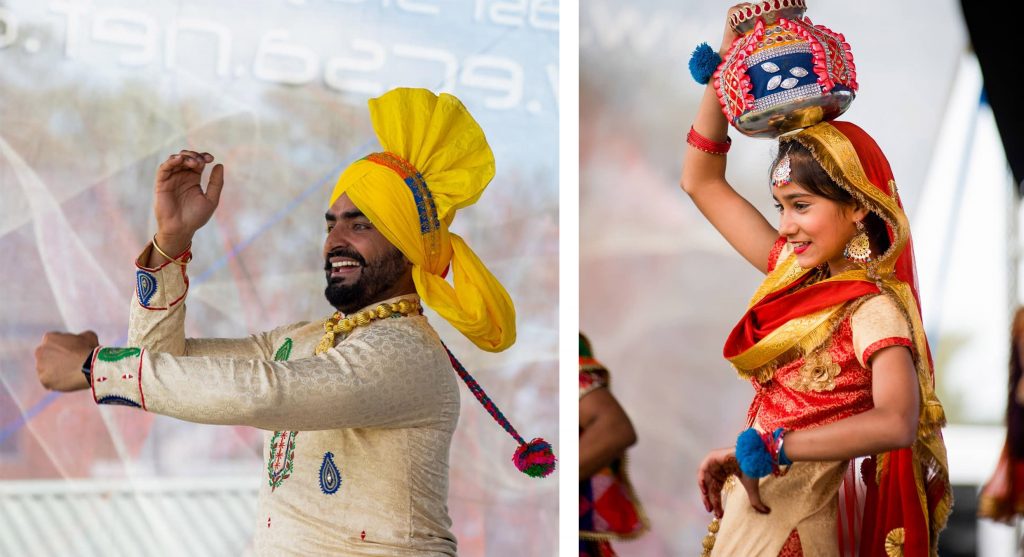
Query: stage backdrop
{"type": "Point", "coordinates": [95, 95]}
{"type": "Point", "coordinates": [659, 288]}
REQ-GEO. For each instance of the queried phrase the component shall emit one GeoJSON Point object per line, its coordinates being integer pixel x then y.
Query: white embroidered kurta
{"type": "Point", "coordinates": [358, 437]}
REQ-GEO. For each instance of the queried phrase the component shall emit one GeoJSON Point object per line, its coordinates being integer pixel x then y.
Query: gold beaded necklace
{"type": "Point", "coordinates": [335, 325]}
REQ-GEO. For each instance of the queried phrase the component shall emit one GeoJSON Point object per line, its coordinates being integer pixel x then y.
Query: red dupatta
{"type": "Point", "coordinates": [782, 306]}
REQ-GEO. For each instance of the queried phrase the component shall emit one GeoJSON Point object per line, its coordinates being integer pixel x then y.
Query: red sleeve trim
{"type": "Point", "coordinates": [92, 376]}
{"type": "Point", "coordinates": [885, 343]}
{"type": "Point", "coordinates": [586, 379]}
{"type": "Point", "coordinates": [773, 256]}
{"type": "Point", "coordinates": [589, 381]}
{"type": "Point", "coordinates": [142, 397]}
{"type": "Point", "coordinates": [184, 278]}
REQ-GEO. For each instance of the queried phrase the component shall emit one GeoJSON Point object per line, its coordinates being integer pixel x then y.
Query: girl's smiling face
{"type": "Point", "coordinates": [816, 227]}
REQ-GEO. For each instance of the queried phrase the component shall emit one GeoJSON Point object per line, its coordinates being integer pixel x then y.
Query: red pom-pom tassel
{"type": "Point", "coordinates": [535, 459]}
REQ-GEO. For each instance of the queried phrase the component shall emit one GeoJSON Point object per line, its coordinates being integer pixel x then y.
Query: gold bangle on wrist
{"type": "Point", "coordinates": [187, 253]}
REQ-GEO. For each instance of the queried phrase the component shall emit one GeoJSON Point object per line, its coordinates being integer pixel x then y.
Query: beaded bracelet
{"type": "Point", "coordinates": [783, 460]}
{"type": "Point", "coordinates": [701, 143]}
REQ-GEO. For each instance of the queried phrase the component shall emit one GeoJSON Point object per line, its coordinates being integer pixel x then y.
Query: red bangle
{"type": "Point", "coordinates": [702, 143]}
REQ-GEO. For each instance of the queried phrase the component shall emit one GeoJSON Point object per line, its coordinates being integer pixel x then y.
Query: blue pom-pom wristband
{"type": "Point", "coordinates": [703, 63]}
{"type": "Point", "coordinates": [754, 458]}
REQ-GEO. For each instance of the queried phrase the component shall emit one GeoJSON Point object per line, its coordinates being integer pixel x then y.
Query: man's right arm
{"type": "Point", "coordinates": [157, 317]}
{"type": "Point", "coordinates": [182, 207]}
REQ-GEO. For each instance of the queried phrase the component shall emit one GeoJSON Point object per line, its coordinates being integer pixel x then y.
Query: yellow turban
{"type": "Point", "coordinates": [436, 160]}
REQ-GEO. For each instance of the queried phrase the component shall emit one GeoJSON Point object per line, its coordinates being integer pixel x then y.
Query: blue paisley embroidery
{"type": "Point", "coordinates": [330, 478]}
{"type": "Point", "coordinates": [146, 286]}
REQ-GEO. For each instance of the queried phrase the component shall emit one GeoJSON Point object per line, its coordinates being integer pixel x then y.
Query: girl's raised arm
{"type": "Point", "coordinates": [703, 179]}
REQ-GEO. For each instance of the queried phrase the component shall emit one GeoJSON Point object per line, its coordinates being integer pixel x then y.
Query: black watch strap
{"type": "Point", "coordinates": [87, 367]}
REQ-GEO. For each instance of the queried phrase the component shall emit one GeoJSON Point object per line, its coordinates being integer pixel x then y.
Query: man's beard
{"type": "Point", "coordinates": [375, 277]}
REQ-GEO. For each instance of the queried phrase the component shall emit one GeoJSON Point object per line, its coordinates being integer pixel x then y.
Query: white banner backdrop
{"type": "Point", "coordinates": [95, 94]}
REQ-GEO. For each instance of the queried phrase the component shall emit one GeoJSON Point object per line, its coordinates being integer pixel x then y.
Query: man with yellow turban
{"type": "Point", "coordinates": [360, 408]}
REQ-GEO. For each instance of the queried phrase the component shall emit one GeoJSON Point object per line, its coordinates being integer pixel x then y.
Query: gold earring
{"type": "Point", "coordinates": [858, 249]}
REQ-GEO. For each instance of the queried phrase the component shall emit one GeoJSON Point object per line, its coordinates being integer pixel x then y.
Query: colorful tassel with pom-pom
{"type": "Point", "coordinates": [535, 459]}
{"type": "Point", "coordinates": [753, 456]}
{"type": "Point", "coordinates": [703, 63]}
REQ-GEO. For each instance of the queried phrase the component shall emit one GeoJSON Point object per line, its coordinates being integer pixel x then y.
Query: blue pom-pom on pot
{"type": "Point", "coordinates": [703, 63]}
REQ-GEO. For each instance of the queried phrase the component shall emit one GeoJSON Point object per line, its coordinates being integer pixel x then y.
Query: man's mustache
{"type": "Point", "coordinates": [341, 252]}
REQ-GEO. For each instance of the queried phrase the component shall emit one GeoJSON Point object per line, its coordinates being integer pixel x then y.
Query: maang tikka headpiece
{"type": "Point", "coordinates": [780, 176]}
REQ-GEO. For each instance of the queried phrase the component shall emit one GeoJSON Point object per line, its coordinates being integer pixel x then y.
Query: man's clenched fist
{"type": "Point", "coordinates": [59, 360]}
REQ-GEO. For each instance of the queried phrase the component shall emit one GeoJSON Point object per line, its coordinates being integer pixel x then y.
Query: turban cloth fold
{"type": "Point", "coordinates": [436, 161]}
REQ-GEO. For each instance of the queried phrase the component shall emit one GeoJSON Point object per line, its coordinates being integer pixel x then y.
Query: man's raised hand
{"type": "Point", "coordinates": [181, 205]}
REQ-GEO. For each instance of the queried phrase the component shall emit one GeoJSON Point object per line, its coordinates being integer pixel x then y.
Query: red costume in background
{"type": "Point", "coordinates": [1002, 498]}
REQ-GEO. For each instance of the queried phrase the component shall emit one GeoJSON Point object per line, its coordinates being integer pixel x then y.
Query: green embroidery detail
{"type": "Point", "coordinates": [115, 354]}
{"type": "Point", "coordinates": [281, 461]}
{"type": "Point", "coordinates": [282, 445]}
{"type": "Point", "coordinates": [284, 351]}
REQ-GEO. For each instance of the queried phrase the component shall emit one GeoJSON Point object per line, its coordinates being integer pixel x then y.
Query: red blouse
{"type": "Point", "coordinates": [839, 386]}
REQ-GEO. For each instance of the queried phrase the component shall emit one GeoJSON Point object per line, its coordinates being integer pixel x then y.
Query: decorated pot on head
{"type": "Point", "coordinates": [783, 73]}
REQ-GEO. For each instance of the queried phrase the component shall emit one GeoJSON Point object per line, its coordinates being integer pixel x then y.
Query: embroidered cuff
{"type": "Point", "coordinates": [161, 288]}
{"type": "Point", "coordinates": [885, 343]}
{"type": "Point", "coordinates": [117, 377]}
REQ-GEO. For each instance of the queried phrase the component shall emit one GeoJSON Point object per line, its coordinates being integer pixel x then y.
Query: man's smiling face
{"type": "Point", "coordinates": [361, 265]}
